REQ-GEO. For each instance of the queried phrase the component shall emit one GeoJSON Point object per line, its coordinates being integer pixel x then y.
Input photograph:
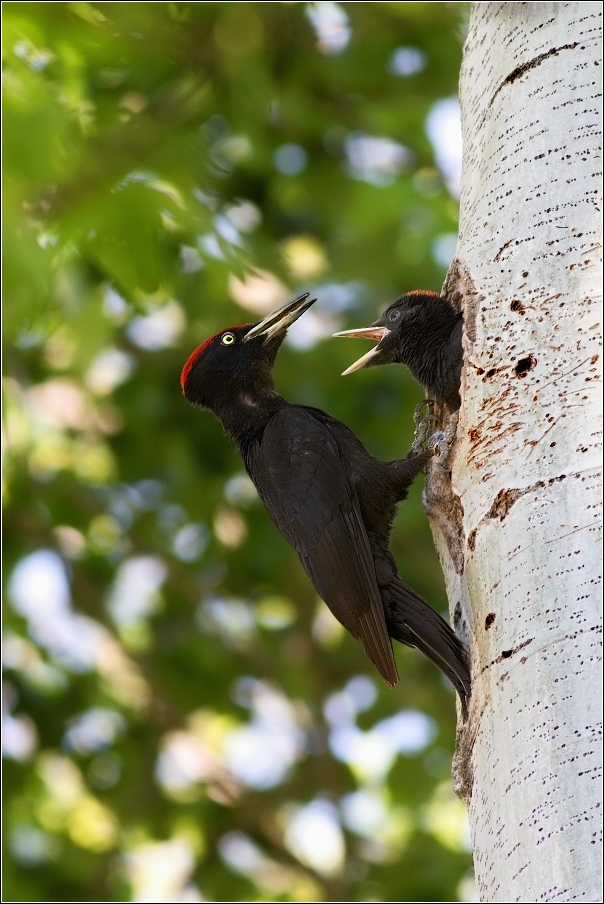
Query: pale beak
{"type": "Point", "coordinates": [376, 333]}
{"type": "Point", "coordinates": [280, 320]}
{"type": "Point", "coordinates": [367, 332]}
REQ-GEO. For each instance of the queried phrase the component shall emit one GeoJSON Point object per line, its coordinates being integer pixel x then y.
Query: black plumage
{"type": "Point", "coordinates": [331, 499]}
{"type": "Point", "coordinates": [423, 331]}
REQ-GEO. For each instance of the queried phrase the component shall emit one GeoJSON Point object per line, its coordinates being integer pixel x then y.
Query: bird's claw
{"type": "Point", "coordinates": [418, 412]}
{"type": "Point", "coordinates": [421, 433]}
{"type": "Point", "coordinates": [437, 444]}
{"type": "Point", "coordinates": [440, 443]}
{"type": "Point", "coordinates": [422, 425]}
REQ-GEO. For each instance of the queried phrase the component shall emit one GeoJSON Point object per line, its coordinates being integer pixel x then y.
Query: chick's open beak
{"type": "Point", "coordinates": [376, 333]}
{"type": "Point", "coordinates": [280, 320]}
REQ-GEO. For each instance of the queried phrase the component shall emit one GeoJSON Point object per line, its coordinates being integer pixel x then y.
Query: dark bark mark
{"type": "Point", "coordinates": [457, 615]}
{"type": "Point", "coordinates": [524, 365]}
{"type": "Point", "coordinates": [492, 372]}
{"type": "Point", "coordinates": [505, 499]}
{"type": "Point", "coordinates": [519, 71]}
{"type": "Point", "coordinates": [502, 249]}
{"type": "Point", "coordinates": [489, 620]}
{"type": "Point", "coordinates": [483, 440]}
{"type": "Point", "coordinates": [507, 654]}
{"type": "Point", "coordinates": [503, 502]}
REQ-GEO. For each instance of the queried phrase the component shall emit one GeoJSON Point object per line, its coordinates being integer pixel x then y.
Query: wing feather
{"type": "Point", "coordinates": [306, 490]}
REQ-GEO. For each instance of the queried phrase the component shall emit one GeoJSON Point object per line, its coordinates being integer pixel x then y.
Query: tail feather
{"type": "Point", "coordinates": [412, 621]}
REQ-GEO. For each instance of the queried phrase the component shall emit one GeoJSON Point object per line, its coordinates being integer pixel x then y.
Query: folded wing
{"type": "Point", "coordinates": [306, 490]}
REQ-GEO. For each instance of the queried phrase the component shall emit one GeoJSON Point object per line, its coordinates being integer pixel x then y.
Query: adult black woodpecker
{"type": "Point", "coordinates": [422, 330]}
{"type": "Point", "coordinates": [331, 500]}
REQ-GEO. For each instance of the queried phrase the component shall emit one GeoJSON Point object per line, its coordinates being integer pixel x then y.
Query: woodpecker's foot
{"type": "Point", "coordinates": [418, 412]}
{"type": "Point", "coordinates": [421, 433]}
{"type": "Point", "coordinates": [422, 425]}
{"type": "Point", "coordinates": [441, 442]}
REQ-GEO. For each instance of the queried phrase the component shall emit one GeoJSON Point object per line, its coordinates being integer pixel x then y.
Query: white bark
{"type": "Point", "coordinates": [518, 528]}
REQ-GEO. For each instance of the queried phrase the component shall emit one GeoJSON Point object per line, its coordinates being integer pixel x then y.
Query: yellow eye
{"type": "Point", "coordinates": [228, 339]}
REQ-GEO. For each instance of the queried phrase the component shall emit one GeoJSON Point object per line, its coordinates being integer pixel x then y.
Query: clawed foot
{"type": "Point", "coordinates": [423, 423]}
{"type": "Point", "coordinates": [440, 443]}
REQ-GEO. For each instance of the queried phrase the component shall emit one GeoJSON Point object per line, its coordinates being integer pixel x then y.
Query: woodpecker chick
{"type": "Point", "coordinates": [423, 331]}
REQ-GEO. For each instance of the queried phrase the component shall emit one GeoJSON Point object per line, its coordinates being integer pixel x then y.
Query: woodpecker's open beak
{"type": "Point", "coordinates": [280, 320]}
{"type": "Point", "coordinates": [376, 333]}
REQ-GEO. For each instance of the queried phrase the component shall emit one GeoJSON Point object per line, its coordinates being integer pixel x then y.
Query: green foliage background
{"type": "Point", "coordinates": [131, 130]}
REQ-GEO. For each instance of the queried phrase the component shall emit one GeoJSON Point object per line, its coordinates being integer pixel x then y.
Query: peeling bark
{"type": "Point", "coordinates": [518, 525]}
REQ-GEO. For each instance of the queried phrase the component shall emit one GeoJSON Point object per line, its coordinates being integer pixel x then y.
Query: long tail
{"type": "Point", "coordinates": [412, 621]}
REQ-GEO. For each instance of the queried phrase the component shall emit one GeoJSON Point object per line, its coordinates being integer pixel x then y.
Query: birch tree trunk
{"type": "Point", "coordinates": [518, 526]}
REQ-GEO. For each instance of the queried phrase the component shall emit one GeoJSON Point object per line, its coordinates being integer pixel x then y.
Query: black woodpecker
{"type": "Point", "coordinates": [332, 500]}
